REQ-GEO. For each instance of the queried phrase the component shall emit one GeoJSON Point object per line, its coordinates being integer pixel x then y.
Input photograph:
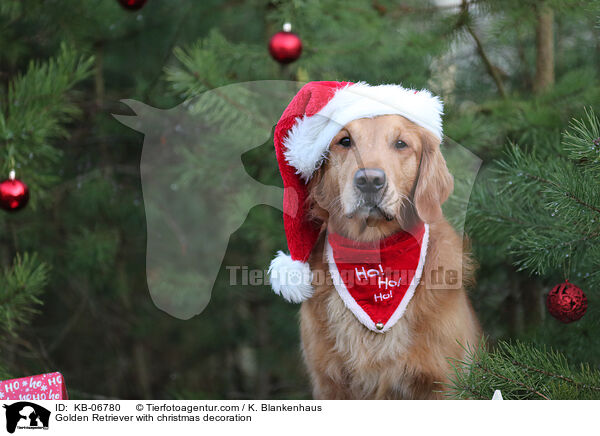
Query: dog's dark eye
{"type": "Point", "coordinates": [345, 142]}
{"type": "Point", "coordinates": [400, 145]}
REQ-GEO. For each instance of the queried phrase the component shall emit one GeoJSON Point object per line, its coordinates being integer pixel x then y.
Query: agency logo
{"type": "Point", "coordinates": [26, 415]}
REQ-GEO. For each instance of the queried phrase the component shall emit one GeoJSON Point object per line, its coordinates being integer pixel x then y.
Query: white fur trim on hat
{"type": "Point", "coordinates": [307, 142]}
{"type": "Point", "coordinates": [292, 279]}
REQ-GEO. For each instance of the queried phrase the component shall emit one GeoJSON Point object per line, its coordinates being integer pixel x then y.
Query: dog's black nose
{"type": "Point", "coordinates": [369, 180]}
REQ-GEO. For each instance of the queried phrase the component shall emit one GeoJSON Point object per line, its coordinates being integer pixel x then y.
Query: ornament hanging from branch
{"type": "Point", "coordinates": [14, 194]}
{"type": "Point", "coordinates": [566, 302]}
{"type": "Point", "coordinates": [132, 5]}
{"type": "Point", "coordinates": [285, 47]}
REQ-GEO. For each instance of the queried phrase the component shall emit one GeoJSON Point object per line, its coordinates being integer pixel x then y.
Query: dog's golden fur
{"type": "Point", "coordinates": [345, 360]}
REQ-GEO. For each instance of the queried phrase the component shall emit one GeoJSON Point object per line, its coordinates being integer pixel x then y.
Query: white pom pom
{"type": "Point", "coordinates": [287, 27]}
{"type": "Point", "coordinates": [291, 279]}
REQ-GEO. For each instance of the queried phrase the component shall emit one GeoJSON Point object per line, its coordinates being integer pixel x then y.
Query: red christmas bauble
{"type": "Point", "coordinates": [14, 194]}
{"type": "Point", "coordinates": [285, 46]}
{"type": "Point", "coordinates": [133, 5]}
{"type": "Point", "coordinates": [566, 302]}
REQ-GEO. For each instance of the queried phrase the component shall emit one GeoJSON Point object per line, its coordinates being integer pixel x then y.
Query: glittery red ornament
{"type": "Point", "coordinates": [286, 46]}
{"type": "Point", "coordinates": [133, 5]}
{"type": "Point", "coordinates": [566, 302]}
{"type": "Point", "coordinates": [14, 194]}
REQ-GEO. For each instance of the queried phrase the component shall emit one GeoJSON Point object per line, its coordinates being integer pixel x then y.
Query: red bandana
{"type": "Point", "coordinates": [377, 280]}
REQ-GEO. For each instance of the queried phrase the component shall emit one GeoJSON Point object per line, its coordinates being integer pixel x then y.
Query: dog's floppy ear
{"type": "Point", "coordinates": [434, 183]}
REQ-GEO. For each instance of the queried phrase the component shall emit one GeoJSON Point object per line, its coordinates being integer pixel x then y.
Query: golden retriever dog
{"type": "Point", "coordinates": [345, 360]}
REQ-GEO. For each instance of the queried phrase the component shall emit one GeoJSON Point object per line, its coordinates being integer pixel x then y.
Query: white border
{"type": "Point", "coordinates": [310, 417]}
{"type": "Point", "coordinates": [355, 308]}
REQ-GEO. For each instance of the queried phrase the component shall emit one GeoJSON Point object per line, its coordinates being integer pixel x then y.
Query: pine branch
{"type": "Point", "coordinates": [521, 371]}
{"type": "Point", "coordinates": [490, 68]}
{"type": "Point", "coordinates": [558, 376]}
{"type": "Point", "coordinates": [561, 188]}
{"type": "Point", "coordinates": [20, 288]}
{"type": "Point", "coordinates": [547, 216]}
{"type": "Point", "coordinates": [582, 140]}
{"type": "Point", "coordinates": [35, 111]}
{"type": "Point", "coordinates": [523, 385]}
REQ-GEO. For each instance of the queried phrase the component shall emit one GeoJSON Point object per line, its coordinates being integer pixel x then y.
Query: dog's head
{"type": "Point", "coordinates": [382, 174]}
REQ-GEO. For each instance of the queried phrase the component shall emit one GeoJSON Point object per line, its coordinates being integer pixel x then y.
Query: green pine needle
{"type": "Point", "coordinates": [522, 372]}
{"type": "Point", "coordinates": [20, 288]}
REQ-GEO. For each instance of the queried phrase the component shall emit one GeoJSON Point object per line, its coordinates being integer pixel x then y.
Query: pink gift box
{"type": "Point", "coordinates": [49, 386]}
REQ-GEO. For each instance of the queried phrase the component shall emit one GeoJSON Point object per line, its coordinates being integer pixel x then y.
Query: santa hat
{"type": "Point", "coordinates": [302, 137]}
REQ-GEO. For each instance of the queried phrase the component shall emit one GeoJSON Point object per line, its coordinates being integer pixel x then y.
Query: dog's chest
{"type": "Point", "coordinates": [360, 347]}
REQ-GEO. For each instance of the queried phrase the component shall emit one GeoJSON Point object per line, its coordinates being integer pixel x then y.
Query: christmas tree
{"type": "Point", "coordinates": [557, 184]}
{"type": "Point", "coordinates": [521, 90]}
{"type": "Point", "coordinates": [36, 107]}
